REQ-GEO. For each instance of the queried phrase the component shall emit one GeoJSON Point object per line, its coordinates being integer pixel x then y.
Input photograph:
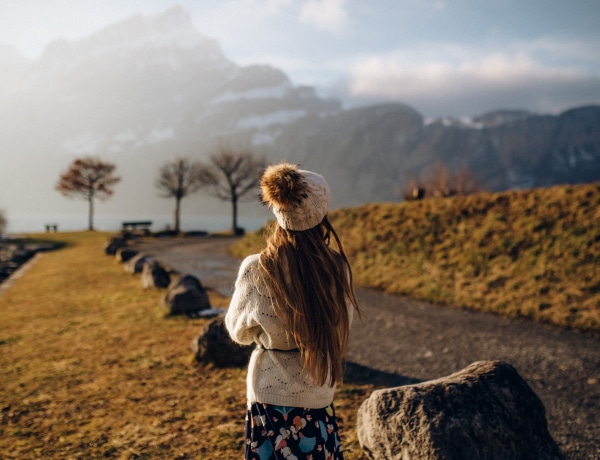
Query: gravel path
{"type": "Point", "coordinates": [401, 341]}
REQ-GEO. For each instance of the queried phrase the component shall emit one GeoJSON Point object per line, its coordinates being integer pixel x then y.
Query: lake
{"type": "Point", "coordinates": [37, 224]}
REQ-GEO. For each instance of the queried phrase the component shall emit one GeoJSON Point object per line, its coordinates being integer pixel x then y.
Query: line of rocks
{"type": "Point", "coordinates": [486, 411]}
{"type": "Point", "coordinates": [184, 295]}
{"type": "Point", "coordinates": [14, 254]}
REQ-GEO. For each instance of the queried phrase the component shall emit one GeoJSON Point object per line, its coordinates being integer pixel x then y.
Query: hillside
{"type": "Point", "coordinates": [533, 253]}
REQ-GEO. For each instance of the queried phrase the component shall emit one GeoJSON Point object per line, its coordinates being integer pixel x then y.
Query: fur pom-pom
{"type": "Point", "coordinates": [282, 186]}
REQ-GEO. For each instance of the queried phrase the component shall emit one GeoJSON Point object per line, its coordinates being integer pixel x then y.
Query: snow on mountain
{"type": "Point", "coordinates": [150, 71]}
{"type": "Point", "coordinates": [280, 117]}
{"type": "Point", "coordinates": [271, 92]}
{"type": "Point", "coordinates": [488, 120]}
{"type": "Point", "coordinates": [87, 143]}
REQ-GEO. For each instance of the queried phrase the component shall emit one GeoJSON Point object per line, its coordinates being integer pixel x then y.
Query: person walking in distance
{"type": "Point", "coordinates": [295, 301]}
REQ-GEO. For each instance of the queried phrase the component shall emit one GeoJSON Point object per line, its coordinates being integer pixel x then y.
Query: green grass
{"type": "Point", "coordinates": [91, 367]}
{"type": "Point", "coordinates": [533, 254]}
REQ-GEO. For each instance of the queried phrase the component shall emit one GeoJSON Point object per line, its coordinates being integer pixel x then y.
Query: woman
{"type": "Point", "coordinates": [295, 301]}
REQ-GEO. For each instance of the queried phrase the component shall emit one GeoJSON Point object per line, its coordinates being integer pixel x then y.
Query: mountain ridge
{"type": "Point", "coordinates": [150, 88]}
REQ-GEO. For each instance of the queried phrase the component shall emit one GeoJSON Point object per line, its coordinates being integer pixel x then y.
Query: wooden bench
{"type": "Point", "coordinates": [134, 225]}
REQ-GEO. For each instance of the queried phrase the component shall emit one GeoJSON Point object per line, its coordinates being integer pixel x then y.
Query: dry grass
{"type": "Point", "coordinates": [92, 368]}
{"type": "Point", "coordinates": [533, 254]}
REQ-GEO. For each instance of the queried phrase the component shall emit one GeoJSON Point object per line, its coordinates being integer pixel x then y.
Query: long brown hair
{"type": "Point", "coordinates": [312, 284]}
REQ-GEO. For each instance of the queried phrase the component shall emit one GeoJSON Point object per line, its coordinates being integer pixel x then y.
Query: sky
{"type": "Point", "coordinates": [442, 57]}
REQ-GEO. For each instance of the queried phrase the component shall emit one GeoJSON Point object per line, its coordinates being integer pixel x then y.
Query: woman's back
{"type": "Point", "coordinates": [294, 300]}
{"type": "Point", "coordinates": [311, 287]}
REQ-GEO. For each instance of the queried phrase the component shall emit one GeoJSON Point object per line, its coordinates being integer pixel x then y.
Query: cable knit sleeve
{"type": "Point", "coordinates": [240, 320]}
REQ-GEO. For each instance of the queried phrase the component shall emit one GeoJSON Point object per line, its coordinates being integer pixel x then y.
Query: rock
{"type": "Point", "coordinates": [485, 412]}
{"type": "Point", "coordinates": [186, 296]}
{"type": "Point", "coordinates": [136, 263]}
{"type": "Point", "coordinates": [21, 255]}
{"type": "Point", "coordinates": [166, 234]}
{"type": "Point", "coordinates": [214, 345]}
{"type": "Point", "coordinates": [154, 275]}
{"type": "Point", "coordinates": [124, 254]}
{"type": "Point", "coordinates": [13, 256]}
{"type": "Point", "coordinates": [196, 233]}
{"type": "Point", "coordinates": [113, 244]}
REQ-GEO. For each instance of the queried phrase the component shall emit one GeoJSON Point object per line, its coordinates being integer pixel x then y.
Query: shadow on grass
{"type": "Point", "coordinates": [359, 374]}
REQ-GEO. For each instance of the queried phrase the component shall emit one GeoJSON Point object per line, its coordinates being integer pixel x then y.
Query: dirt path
{"type": "Point", "coordinates": [401, 341]}
{"type": "Point", "coordinates": [205, 258]}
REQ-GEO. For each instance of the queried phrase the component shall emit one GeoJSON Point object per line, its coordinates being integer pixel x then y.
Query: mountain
{"type": "Point", "coordinates": [138, 93]}
{"type": "Point", "coordinates": [371, 152]}
{"type": "Point", "coordinates": [148, 79]}
{"type": "Point", "coordinates": [152, 88]}
{"type": "Point", "coordinates": [363, 152]}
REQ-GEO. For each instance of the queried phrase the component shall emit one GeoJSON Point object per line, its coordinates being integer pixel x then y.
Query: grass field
{"type": "Point", "coordinates": [533, 253]}
{"type": "Point", "coordinates": [92, 368]}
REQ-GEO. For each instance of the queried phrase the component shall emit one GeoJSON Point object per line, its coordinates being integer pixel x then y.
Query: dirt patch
{"type": "Point", "coordinates": [207, 259]}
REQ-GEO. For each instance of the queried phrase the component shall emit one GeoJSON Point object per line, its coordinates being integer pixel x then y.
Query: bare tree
{"type": "Point", "coordinates": [232, 174]}
{"type": "Point", "coordinates": [443, 183]}
{"type": "Point", "coordinates": [178, 179]}
{"type": "Point", "coordinates": [467, 182]}
{"type": "Point", "coordinates": [440, 182]}
{"type": "Point", "coordinates": [88, 178]}
{"type": "Point", "coordinates": [413, 190]}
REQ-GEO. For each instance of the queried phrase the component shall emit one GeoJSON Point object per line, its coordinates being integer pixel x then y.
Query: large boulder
{"type": "Point", "coordinates": [214, 345]}
{"type": "Point", "coordinates": [186, 296]}
{"type": "Point", "coordinates": [485, 412]}
{"type": "Point", "coordinates": [136, 263]}
{"type": "Point", "coordinates": [155, 275]}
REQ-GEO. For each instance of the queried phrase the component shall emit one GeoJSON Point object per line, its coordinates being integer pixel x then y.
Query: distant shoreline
{"type": "Point", "coordinates": [112, 223]}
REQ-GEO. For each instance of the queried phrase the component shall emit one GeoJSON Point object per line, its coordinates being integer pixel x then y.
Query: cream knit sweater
{"type": "Point", "coordinates": [274, 376]}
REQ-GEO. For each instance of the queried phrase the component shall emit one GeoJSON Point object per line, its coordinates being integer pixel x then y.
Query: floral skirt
{"type": "Point", "coordinates": [291, 433]}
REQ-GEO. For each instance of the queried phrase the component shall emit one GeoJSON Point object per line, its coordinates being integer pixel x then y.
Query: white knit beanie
{"type": "Point", "coordinates": [299, 199]}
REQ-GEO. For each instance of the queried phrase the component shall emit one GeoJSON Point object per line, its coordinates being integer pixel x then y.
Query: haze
{"type": "Point", "coordinates": [440, 57]}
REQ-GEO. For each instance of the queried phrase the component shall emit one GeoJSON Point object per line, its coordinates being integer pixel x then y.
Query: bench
{"type": "Point", "coordinates": [134, 225]}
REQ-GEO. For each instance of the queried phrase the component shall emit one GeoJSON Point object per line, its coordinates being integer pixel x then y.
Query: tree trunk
{"type": "Point", "coordinates": [91, 212]}
{"type": "Point", "coordinates": [234, 211]}
{"type": "Point", "coordinates": [177, 211]}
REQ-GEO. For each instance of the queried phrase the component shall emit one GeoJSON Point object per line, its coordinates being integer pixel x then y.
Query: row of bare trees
{"type": "Point", "coordinates": [440, 182]}
{"type": "Point", "coordinates": [229, 175]}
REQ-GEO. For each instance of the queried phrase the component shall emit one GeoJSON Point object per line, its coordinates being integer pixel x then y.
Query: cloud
{"type": "Point", "coordinates": [561, 49]}
{"type": "Point", "coordinates": [465, 81]}
{"type": "Point", "coordinates": [255, 8]}
{"type": "Point", "coordinates": [328, 15]}
{"type": "Point", "coordinates": [381, 76]}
